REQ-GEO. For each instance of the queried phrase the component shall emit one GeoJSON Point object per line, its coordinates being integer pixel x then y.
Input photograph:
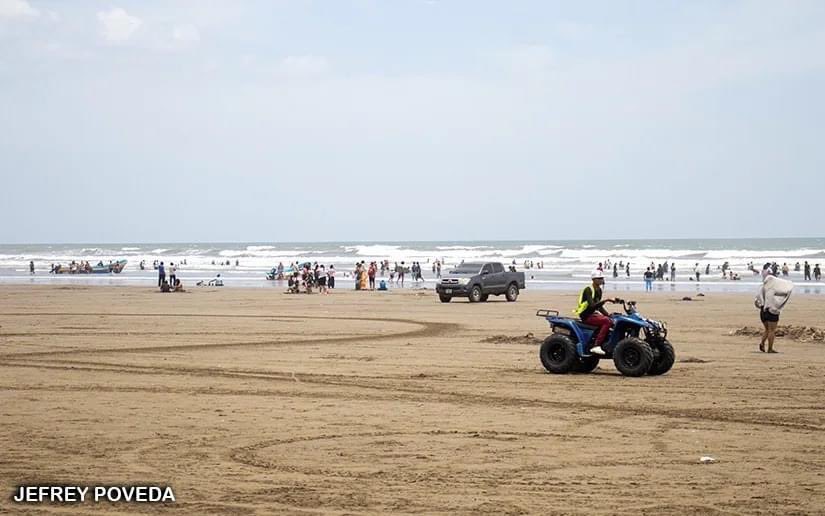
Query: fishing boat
{"type": "Point", "coordinates": [100, 268]}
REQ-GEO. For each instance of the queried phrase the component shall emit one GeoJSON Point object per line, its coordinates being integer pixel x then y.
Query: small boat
{"type": "Point", "coordinates": [115, 267]}
{"type": "Point", "coordinates": [100, 268]}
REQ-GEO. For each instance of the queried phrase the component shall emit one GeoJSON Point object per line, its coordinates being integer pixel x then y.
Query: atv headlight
{"type": "Point", "coordinates": [463, 281]}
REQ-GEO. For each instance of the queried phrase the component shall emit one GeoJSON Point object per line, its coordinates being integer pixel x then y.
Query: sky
{"type": "Point", "coordinates": [368, 120]}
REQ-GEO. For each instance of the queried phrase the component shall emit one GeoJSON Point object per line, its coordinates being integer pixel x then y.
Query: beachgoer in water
{"type": "Point", "coordinates": [817, 273]}
{"type": "Point", "coordinates": [615, 271]}
{"type": "Point", "coordinates": [648, 280]}
{"type": "Point", "coordinates": [807, 271]}
{"type": "Point", "coordinates": [696, 271]}
{"type": "Point", "coordinates": [31, 267]}
{"type": "Point", "coordinates": [627, 269]}
{"type": "Point", "coordinates": [772, 297]}
{"type": "Point", "coordinates": [161, 274]}
{"type": "Point", "coordinates": [673, 273]}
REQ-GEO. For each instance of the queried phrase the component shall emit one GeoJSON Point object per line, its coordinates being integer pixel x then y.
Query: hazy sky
{"type": "Point", "coordinates": [410, 120]}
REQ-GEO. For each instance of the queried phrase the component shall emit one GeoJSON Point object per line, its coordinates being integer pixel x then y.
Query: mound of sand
{"type": "Point", "coordinates": [798, 333]}
{"type": "Point", "coordinates": [512, 339]}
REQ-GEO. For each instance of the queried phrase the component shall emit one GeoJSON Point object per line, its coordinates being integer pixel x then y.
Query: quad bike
{"type": "Point", "coordinates": [637, 345]}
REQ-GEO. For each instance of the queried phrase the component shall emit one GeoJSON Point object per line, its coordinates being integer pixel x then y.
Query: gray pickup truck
{"type": "Point", "coordinates": [476, 281]}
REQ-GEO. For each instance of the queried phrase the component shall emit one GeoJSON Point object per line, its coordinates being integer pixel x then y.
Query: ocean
{"type": "Point", "coordinates": [566, 264]}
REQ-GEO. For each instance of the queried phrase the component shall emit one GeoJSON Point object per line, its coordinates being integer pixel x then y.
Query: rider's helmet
{"type": "Point", "coordinates": [597, 274]}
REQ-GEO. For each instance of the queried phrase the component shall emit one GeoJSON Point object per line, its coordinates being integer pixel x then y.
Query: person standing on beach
{"type": "Point", "coordinates": [817, 272]}
{"type": "Point", "coordinates": [627, 269]}
{"type": "Point", "coordinates": [331, 277]}
{"type": "Point", "coordinates": [31, 267]}
{"type": "Point", "coordinates": [807, 271]}
{"type": "Point", "coordinates": [161, 274]}
{"type": "Point", "coordinates": [696, 271]}
{"type": "Point", "coordinates": [173, 273]}
{"type": "Point", "coordinates": [371, 274]}
{"type": "Point", "coordinates": [772, 297]}
{"type": "Point", "coordinates": [648, 280]}
{"type": "Point", "coordinates": [615, 271]}
{"type": "Point", "coordinates": [321, 279]}
{"type": "Point", "coordinates": [438, 270]}
{"type": "Point", "coordinates": [673, 273]}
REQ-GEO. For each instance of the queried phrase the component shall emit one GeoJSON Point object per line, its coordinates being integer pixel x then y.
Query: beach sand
{"type": "Point", "coordinates": [249, 401]}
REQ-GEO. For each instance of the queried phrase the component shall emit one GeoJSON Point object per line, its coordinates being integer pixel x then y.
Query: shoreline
{"type": "Point", "coordinates": [812, 288]}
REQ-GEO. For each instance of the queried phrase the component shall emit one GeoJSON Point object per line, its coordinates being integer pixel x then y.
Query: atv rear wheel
{"type": "Point", "coordinates": [512, 292]}
{"type": "Point", "coordinates": [663, 358]}
{"type": "Point", "coordinates": [475, 294]}
{"type": "Point", "coordinates": [586, 364]}
{"type": "Point", "coordinates": [633, 357]}
{"type": "Point", "coordinates": [443, 298]}
{"type": "Point", "coordinates": [558, 354]}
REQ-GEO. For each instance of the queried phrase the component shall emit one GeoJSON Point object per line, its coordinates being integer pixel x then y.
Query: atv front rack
{"type": "Point", "coordinates": [547, 313]}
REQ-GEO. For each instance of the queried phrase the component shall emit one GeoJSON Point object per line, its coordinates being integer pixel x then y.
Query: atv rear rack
{"type": "Point", "coordinates": [544, 312]}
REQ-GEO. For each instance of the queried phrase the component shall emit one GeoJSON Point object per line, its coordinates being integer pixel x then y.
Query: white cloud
{"type": "Point", "coordinates": [17, 9]}
{"type": "Point", "coordinates": [527, 59]}
{"type": "Point", "coordinates": [117, 26]}
{"type": "Point", "coordinates": [186, 34]}
{"type": "Point", "coordinates": [304, 65]}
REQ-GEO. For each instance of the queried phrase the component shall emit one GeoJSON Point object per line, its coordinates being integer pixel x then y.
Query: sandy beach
{"type": "Point", "coordinates": [249, 401]}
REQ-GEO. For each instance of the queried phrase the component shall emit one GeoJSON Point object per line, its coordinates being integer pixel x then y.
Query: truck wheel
{"type": "Point", "coordinates": [485, 297]}
{"type": "Point", "coordinates": [663, 358]}
{"type": "Point", "coordinates": [586, 364]}
{"type": "Point", "coordinates": [558, 354]}
{"type": "Point", "coordinates": [475, 294]}
{"type": "Point", "coordinates": [633, 357]}
{"type": "Point", "coordinates": [512, 292]}
{"type": "Point", "coordinates": [443, 298]}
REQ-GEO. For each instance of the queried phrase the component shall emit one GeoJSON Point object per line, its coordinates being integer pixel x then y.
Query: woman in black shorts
{"type": "Point", "coordinates": [772, 297]}
{"type": "Point", "coordinates": [770, 321]}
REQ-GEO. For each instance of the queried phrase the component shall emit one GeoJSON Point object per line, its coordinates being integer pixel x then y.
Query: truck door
{"type": "Point", "coordinates": [498, 278]}
{"type": "Point", "coordinates": [488, 279]}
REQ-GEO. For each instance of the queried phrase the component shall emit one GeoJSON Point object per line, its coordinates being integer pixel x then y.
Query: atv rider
{"type": "Point", "coordinates": [591, 310]}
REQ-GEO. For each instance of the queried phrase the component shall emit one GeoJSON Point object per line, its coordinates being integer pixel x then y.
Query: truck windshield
{"type": "Point", "coordinates": [470, 268]}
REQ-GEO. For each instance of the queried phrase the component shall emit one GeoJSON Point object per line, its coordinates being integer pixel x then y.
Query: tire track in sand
{"type": "Point", "coordinates": [425, 329]}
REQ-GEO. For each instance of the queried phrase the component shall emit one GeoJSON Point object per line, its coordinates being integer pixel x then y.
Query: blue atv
{"type": "Point", "coordinates": [638, 346]}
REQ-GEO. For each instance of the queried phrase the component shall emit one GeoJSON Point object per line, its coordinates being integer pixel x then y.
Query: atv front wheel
{"type": "Point", "coordinates": [475, 294]}
{"type": "Point", "coordinates": [663, 358]}
{"type": "Point", "coordinates": [558, 354]}
{"type": "Point", "coordinates": [633, 357]}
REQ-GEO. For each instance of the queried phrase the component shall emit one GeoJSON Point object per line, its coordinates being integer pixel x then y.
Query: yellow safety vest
{"type": "Point", "coordinates": [582, 303]}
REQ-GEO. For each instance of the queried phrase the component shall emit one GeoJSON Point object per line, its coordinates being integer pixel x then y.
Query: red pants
{"type": "Point", "coordinates": [603, 322]}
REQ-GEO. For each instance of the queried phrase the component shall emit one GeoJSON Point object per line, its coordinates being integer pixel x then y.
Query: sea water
{"type": "Point", "coordinates": [566, 264]}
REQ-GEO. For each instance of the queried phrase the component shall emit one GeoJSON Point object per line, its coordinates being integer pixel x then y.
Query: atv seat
{"type": "Point", "coordinates": [588, 327]}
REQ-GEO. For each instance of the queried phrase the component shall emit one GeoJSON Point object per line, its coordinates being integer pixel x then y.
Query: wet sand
{"type": "Point", "coordinates": [249, 401]}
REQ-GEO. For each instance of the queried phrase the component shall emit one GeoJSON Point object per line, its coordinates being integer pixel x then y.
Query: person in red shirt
{"type": "Point", "coordinates": [371, 275]}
